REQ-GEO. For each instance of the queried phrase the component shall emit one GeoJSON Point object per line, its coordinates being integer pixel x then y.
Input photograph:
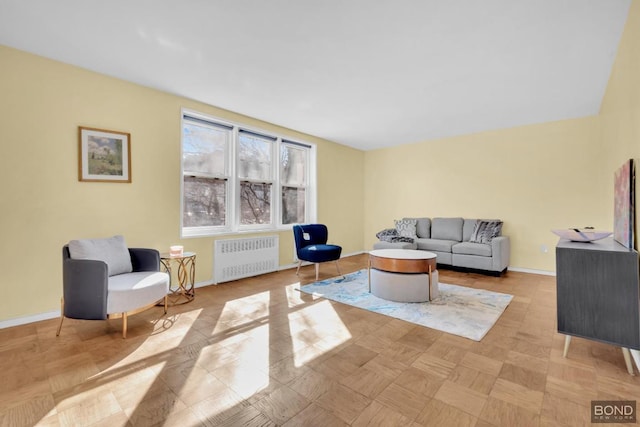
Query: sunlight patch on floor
{"type": "Point", "coordinates": [317, 329]}
{"type": "Point", "coordinates": [293, 295]}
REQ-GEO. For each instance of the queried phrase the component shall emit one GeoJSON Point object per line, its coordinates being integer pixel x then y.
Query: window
{"type": "Point", "coordinates": [205, 149]}
{"type": "Point", "coordinates": [294, 159]}
{"type": "Point", "coordinates": [239, 179]}
{"type": "Point", "coordinates": [255, 172]}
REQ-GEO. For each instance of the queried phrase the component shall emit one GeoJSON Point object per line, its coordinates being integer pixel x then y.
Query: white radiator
{"type": "Point", "coordinates": [237, 258]}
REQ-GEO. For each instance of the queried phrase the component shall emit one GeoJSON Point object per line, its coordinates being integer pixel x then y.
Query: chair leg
{"type": "Point", "coordinates": [567, 341]}
{"type": "Point", "coordinates": [61, 316]}
{"type": "Point", "coordinates": [166, 303]}
{"type": "Point", "coordinates": [338, 267]}
{"type": "Point", "coordinates": [299, 264]}
{"type": "Point", "coordinates": [317, 270]}
{"type": "Point", "coordinates": [124, 325]}
{"type": "Point", "coordinates": [627, 360]}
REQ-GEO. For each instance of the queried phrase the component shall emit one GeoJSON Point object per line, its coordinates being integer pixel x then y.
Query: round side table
{"type": "Point", "coordinates": [184, 290]}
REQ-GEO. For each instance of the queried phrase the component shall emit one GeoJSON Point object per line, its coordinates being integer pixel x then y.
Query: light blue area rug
{"type": "Point", "coordinates": [458, 310]}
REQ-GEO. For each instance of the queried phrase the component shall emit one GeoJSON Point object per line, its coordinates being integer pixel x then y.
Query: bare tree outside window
{"type": "Point", "coordinates": [204, 202]}
{"type": "Point", "coordinates": [255, 203]}
{"type": "Point", "coordinates": [255, 155]}
{"type": "Point", "coordinates": [204, 151]}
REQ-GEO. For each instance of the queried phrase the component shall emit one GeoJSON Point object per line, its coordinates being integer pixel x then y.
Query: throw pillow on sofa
{"type": "Point", "coordinates": [387, 234]}
{"type": "Point", "coordinates": [400, 239]}
{"type": "Point", "coordinates": [406, 228]}
{"type": "Point", "coordinates": [485, 231]}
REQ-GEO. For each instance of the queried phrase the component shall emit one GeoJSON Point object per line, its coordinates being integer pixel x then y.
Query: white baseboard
{"type": "Point", "coordinates": [532, 271]}
{"type": "Point", "coordinates": [203, 284]}
{"type": "Point", "coordinates": [29, 319]}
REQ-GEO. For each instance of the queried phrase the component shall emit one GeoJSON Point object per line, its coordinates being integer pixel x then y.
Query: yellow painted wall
{"type": "Point", "coordinates": [530, 177]}
{"type": "Point", "coordinates": [620, 111]}
{"type": "Point", "coordinates": [535, 178]}
{"type": "Point", "coordinates": [43, 206]}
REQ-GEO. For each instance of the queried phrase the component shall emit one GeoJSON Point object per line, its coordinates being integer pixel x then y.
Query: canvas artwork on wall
{"type": "Point", "coordinates": [624, 204]}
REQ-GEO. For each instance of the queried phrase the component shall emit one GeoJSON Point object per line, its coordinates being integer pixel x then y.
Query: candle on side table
{"type": "Point", "coordinates": [175, 250]}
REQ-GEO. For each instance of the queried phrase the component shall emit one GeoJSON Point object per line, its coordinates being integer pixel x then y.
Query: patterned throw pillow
{"type": "Point", "coordinates": [400, 239]}
{"type": "Point", "coordinates": [485, 231]}
{"type": "Point", "coordinates": [387, 234]}
{"type": "Point", "coordinates": [406, 227]}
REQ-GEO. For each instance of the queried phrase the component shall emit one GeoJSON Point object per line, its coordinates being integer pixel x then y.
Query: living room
{"type": "Point", "coordinates": [535, 177]}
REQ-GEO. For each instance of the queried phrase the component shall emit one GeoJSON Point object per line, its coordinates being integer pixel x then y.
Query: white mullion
{"type": "Point", "coordinates": [234, 186]}
{"type": "Point", "coordinates": [275, 181]}
{"type": "Point", "coordinates": [278, 196]}
{"type": "Point", "coordinates": [311, 187]}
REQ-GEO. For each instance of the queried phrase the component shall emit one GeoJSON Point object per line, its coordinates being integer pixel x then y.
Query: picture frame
{"type": "Point", "coordinates": [624, 204]}
{"type": "Point", "coordinates": [104, 155]}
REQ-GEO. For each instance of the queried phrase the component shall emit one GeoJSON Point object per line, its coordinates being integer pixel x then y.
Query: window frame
{"type": "Point", "coordinates": [272, 180]}
{"type": "Point", "coordinates": [233, 181]}
{"type": "Point", "coordinates": [226, 177]}
{"type": "Point", "coordinates": [307, 185]}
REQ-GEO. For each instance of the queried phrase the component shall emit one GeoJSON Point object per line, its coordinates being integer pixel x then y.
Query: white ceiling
{"type": "Point", "coordinates": [364, 73]}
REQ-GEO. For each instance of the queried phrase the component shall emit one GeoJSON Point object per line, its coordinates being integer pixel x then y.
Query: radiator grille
{"type": "Point", "coordinates": [237, 258]}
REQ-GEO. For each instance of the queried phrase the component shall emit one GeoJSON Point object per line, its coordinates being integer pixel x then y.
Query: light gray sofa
{"type": "Point", "coordinates": [449, 239]}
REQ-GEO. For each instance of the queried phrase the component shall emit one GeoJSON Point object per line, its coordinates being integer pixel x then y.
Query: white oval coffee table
{"type": "Point", "coordinates": [403, 275]}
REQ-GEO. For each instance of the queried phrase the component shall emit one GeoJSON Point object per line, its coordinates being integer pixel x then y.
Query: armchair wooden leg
{"type": "Point", "coordinates": [338, 267]}
{"type": "Point", "coordinates": [299, 264]}
{"type": "Point", "coordinates": [166, 303]}
{"type": "Point", "coordinates": [61, 316]}
{"type": "Point", "coordinates": [317, 270]}
{"type": "Point", "coordinates": [124, 325]}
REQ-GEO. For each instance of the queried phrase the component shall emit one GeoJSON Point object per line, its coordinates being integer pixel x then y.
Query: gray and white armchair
{"type": "Point", "coordinates": [103, 279]}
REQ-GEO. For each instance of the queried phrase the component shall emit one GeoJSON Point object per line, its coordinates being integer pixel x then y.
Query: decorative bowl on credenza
{"type": "Point", "coordinates": [581, 234]}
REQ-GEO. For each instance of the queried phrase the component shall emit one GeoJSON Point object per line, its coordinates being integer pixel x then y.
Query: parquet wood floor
{"type": "Point", "coordinates": [256, 352]}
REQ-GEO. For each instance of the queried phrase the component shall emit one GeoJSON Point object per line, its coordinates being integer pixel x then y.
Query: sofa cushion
{"type": "Point", "coordinates": [468, 248]}
{"type": "Point", "coordinates": [423, 227]}
{"type": "Point", "coordinates": [467, 228]}
{"type": "Point", "coordinates": [485, 231]}
{"type": "Point", "coordinates": [435, 245]}
{"type": "Point", "coordinates": [112, 251]}
{"type": "Point", "coordinates": [447, 229]}
{"type": "Point", "coordinates": [406, 227]}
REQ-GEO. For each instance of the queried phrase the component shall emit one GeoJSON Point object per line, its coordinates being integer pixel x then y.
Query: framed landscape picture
{"type": "Point", "coordinates": [105, 155]}
{"type": "Point", "coordinates": [624, 204]}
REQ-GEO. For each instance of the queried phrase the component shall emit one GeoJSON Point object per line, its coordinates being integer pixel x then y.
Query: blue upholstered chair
{"type": "Point", "coordinates": [311, 246]}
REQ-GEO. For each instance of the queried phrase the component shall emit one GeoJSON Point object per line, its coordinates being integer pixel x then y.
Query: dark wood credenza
{"type": "Point", "coordinates": [598, 294]}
